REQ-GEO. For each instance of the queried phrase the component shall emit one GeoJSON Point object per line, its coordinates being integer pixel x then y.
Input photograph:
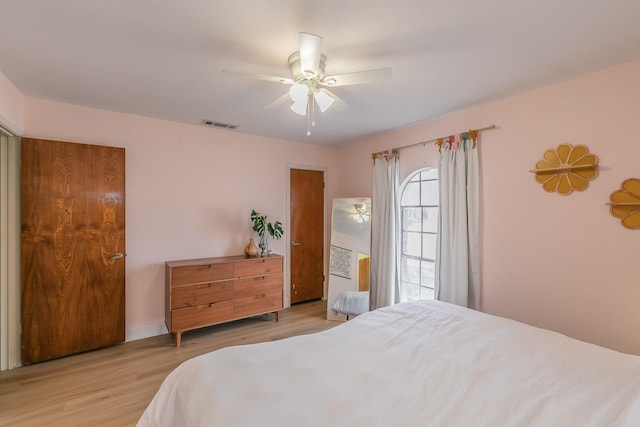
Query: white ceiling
{"type": "Point", "coordinates": [163, 58]}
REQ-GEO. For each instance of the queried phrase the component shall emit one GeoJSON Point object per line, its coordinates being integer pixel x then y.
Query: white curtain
{"type": "Point", "coordinates": [456, 276]}
{"type": "Point", "coordinates": [385, 230]}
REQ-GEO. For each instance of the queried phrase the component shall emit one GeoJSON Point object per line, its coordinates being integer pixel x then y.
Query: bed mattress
{"type": "Point", "coordinates": [425, 363]}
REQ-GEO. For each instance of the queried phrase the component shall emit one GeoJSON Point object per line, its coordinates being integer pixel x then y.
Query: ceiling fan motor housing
{"type": "Point", "coordinates": [312, 77]}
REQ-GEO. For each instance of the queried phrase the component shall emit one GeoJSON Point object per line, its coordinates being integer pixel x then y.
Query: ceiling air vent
{"type": "Point", "coordinates": [208, 122]}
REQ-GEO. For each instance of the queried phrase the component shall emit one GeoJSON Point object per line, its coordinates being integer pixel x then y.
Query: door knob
{"type": "Point", "coordinates": [116, 256]}
{"type": "Point", "coordinates": [294, 243]}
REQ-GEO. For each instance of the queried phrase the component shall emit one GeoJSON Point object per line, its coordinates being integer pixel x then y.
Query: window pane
{"type": "Point", "coordinates": [427, 293]}
{"type": "Point", "coordinates": [429, 173]}
{"type": "Point", "coordinates": [411, 194]}
{"type": "Point", "coordinates": [427, 273]}
{"type": "Point", "coordinates": [410, 270]}
{"type": "Point", "coordinates": [430, 220]}
{"type": "Point", "coordinates": [412, 291]}
{"type": "Point", "coordinates": [430, 193]}
{"type": "Point", "coordinates": [429, 246]}
{"type": "Point", "coordinates": [411, 219]}
{"type": "Point", "coordinates": [411, 244]}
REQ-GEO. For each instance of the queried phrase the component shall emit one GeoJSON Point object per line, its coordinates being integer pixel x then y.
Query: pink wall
{"type": "Point", "coordinates": [558, 262]}
{"type": "Point", "coordinates": [190, 190]}
{"type": "Point", "coordinates": [11, 106]}
{"type": "Point", "coordinates": [562, 263]}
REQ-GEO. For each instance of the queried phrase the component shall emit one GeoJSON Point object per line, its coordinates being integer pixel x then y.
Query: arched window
{"type": "Point", "coordinates": [419, 205]}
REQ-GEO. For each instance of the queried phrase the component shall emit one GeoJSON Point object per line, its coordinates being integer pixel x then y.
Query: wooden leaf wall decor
{"type": "Point", "coordinates": [625, 203]}
{"type": "Point", "coordinates": [566, 169]}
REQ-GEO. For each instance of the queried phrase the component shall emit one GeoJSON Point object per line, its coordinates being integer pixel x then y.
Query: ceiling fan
{"type": "Point", "coordinates": [361, 213]}
{"type": "Point", "coordinates": [309, 82]}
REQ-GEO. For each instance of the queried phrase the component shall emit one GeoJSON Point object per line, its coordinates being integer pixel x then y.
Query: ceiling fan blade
{"type": "Point", "coordinates": [310, 51]}
{"type": "Point", "coordinates": [339, 104]}
{"type": "Point", "coordinates": [279, 100]}
{"type": "Point", "coordinates": [358, 77]}
{"type": "Point", "coordinates": [266, 77]}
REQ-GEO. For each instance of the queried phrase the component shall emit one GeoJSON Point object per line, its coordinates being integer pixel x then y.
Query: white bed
{"type": "Point", "coordinates": [413, 364]}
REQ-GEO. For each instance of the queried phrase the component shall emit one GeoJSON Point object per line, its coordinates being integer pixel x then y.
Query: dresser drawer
{"type": "Point", "coordinates": [202, 315]}
{"type": "Point", "coordinates": [257, 304]}
{"type": "Point", "coordinates": [201, 273]}
{"type": "Point", "coordinates": [257, 267]}
{"type": "Point", "coordinates": [205, 293]}
{"type": "Point", "coordinates": [258, 285]}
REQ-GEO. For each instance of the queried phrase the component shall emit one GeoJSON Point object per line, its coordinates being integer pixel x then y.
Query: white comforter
{"type": "Point", "coordinates": [414, 364]}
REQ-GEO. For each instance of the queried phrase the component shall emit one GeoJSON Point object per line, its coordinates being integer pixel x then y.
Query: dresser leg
{"type": "Point", "coordinates": [276, 314]}
{"type": "Point", "coordinates": [178, 338]}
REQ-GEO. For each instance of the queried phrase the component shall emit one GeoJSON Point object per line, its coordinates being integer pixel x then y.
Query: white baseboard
{"type": "Point", "coordinates": [145, 331]}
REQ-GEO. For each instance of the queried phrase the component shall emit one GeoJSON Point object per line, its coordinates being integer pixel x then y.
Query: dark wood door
{"type": "Point", "coordinates": [364, 269]}
{"type": "Point", "coordinates": [307, 234]}
{"type": "Point", "coordinates": [73, 246]}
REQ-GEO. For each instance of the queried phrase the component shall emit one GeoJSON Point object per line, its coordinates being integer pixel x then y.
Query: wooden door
{"type": "Point", "coordinates": [306, 189]}
{"type": "Point", "coordinates": [73, 246]}
{"type": "Point", "coordinates": [364, 268]}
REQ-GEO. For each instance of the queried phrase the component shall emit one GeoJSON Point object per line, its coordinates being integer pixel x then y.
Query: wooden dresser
{"type": "Point", "coordinates": [204, 292]}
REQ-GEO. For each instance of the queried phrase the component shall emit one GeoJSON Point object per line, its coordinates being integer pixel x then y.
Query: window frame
{"type": "Point", "coordinates": [422, 280]}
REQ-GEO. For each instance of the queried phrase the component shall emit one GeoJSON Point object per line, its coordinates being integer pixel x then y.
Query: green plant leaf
{"type": "Point", "coordinates": [275, 230]}
{"type": "Point", "coordinates": [261, 226]}
{"type": "Point", "coordinates": [259, 222]}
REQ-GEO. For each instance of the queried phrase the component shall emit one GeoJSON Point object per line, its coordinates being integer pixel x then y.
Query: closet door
{"type": "Point", "coordinates": [73, 246]}
{"type": "Point", "coordinates": [306, 188]}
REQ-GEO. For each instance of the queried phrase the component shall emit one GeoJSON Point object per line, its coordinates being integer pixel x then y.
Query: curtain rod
{"type": "Point", "coordinates": [427, 142]}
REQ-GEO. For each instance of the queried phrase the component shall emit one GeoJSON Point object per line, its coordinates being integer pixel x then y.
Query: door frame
{"type": "Point", "coordinates": [10, 355]}
{"type": "Point", "coordinates": [325, 246]}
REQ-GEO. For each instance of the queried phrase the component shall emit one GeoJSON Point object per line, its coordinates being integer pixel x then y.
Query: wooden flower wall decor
{"type": "Point", "coordinates": [566, 168]}
{"type": "Point", "coordinates": [625, 203]}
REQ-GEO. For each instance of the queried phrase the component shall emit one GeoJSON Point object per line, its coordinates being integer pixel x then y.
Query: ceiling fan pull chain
{"type": "Point", "coordinates": [308, 120]}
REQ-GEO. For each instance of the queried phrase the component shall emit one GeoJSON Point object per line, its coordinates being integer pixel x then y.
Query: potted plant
{"type": "Point", "coordinates": [264, 230]}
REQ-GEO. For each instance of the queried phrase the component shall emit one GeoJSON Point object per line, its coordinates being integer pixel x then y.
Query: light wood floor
{"type": "Point", "coordinates": [113, 386]}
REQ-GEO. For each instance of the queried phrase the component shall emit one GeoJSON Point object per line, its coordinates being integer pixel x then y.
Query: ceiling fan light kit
{"type": "Point", "coordinates": [299, 94]}
{"type": "Point", "coordinates": [361, 214]}
{"type": "Point", "coordinates": [324, 100]}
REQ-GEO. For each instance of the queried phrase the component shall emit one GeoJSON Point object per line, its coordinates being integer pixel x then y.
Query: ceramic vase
{"type": "Point", "coordinates": [251, 249]}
